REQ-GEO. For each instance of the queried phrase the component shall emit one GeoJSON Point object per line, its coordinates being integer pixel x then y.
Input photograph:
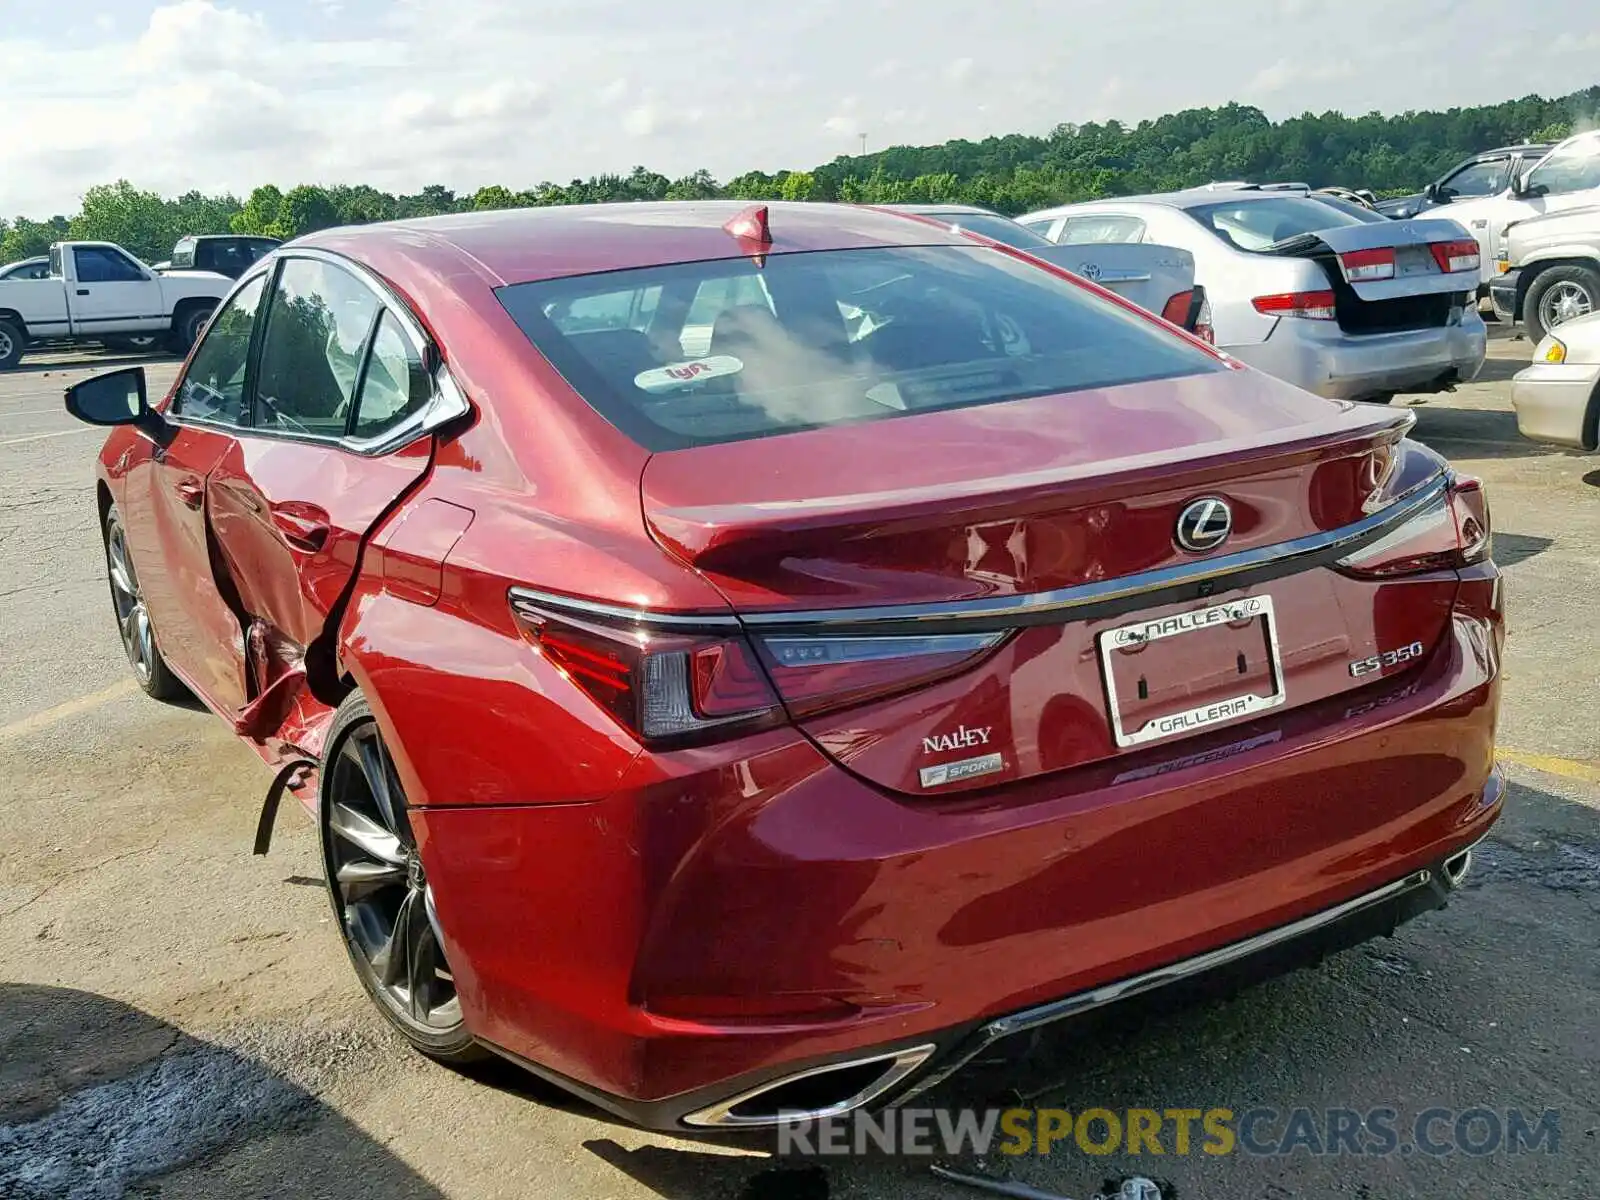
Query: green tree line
{"type": "Point", "coordinates": [1013, 174]}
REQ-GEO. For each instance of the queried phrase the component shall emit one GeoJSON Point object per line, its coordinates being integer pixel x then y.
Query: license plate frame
{"type": "Point", "coordinates": [1212, 715]}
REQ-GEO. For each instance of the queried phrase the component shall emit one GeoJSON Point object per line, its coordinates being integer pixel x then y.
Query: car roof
{"type": "Point", "coordinates": [1185, 199]}
{"type": "Point", "coordinates": [943, 210]}
{"type": "Point", "coordinates": [1520, 147]}
{"type": "Point", "coordinates": [522, 245]}
{"type": "Point", "coordinates": [227, 237]}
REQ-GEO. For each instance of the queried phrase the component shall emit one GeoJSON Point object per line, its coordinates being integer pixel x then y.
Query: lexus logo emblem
{"type": "Point", "coordinates": [1204, 525]}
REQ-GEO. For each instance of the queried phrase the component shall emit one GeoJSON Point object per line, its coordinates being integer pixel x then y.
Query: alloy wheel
{"type": "Point", "coordinates": [6, 344]}
{"type": "Point", "coordinates": [381, 891]}
{"type": "Point", "coordinates": [1564, 301]}
{"type": "Point", "coordinates": [133, 619]}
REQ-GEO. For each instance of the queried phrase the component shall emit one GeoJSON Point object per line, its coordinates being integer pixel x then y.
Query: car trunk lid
{"type": "Point", "coordinates": [938, 597]}
{"type": "Point", "coordinates": [1392, 276]}
{"type": "Point", "coordinates": [1147, 275]}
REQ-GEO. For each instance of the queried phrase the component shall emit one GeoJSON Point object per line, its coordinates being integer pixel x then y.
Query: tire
{"type": "Point", "coordinates": [382, 903]}
{"type": "Point", "coordinates": [1559, 295]}
{"type": "Point", "coordinates": [133, 619]}
{"type": "Point", "coordinates": [12, 342]}
{"type": "Point", "coordinates": [186, 327]}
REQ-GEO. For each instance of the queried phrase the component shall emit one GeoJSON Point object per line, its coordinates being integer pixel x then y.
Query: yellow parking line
{"type": "Point", "coordinates": [1567, 768]}
{"type": "Point", "coordinates": [61, 712]}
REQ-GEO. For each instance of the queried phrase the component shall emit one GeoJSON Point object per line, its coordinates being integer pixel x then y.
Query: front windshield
{"type": "Point", "coordinates": [1259, 224]}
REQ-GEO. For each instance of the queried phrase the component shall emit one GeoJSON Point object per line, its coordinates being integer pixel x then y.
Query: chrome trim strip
{"type": "Point", "coordinates": [900, 1064]}
{"type": "Point", "coordinates": [1082, 1002]}
{"type": "Point", "coordinates": [619, 613]}
{"type": "Point", "coordinates": [1003, 610]}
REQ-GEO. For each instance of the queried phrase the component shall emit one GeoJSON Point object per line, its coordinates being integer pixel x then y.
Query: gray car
{"type": "Point", "coordinates": [1320, 292]}
{"type": "Point", "coordinates": [1159, 279]}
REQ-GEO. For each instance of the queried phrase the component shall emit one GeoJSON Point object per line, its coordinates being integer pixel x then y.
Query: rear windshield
{"type": "Point", "coordinates": [1263, 223]}
{"type": "Point", "coordinates": [705, 352]}
{"type": "Point", "coordinates": [1001, 229]}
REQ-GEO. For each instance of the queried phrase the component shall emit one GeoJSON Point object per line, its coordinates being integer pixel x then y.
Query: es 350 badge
{"type": "Point", "coordinates": [1386, 659]}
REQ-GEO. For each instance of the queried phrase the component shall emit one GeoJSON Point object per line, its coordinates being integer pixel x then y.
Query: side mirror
{"type": "Point", "coordinates": [1525, 188]}
{"type": "Point", "coordinates": [1432, 192]}
{"type": "Point", "coordinates": [115, 398]}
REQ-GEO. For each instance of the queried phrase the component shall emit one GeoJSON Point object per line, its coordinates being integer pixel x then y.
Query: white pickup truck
{"type": "Point", "coordinates": [98, 292]}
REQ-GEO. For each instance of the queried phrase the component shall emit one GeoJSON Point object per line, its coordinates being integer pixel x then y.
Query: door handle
{"type": "Point", "coordinates": [300, 531]}
{"type": "Point", "coordinates": [83, 291]}
{"type": "Point", "coordinates": [191, 492]}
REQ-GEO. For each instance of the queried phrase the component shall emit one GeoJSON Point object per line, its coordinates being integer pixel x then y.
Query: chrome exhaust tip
{"type": "Point", "coordinates": [1455, 868]}
{"type": "Point", "coordinates": [814, 1095]}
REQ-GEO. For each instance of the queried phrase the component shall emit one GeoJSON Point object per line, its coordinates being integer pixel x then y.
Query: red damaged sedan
{"type": "Point", "coordinates": [750, 660]}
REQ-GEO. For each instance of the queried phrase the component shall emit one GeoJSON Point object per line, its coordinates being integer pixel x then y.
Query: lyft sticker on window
{"type": "Point", "coordinates": [677, 375]}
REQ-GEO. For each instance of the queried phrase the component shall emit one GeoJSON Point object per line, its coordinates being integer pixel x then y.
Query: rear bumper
{"type": "Point", "coordinates": [1317, 356]}
{"type": "Point", "coordinates": [1555, 403]}
{"type": "Point", "coordinates": [734, 916]}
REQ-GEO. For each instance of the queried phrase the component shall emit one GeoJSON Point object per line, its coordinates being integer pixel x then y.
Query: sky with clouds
{"type": "Point", "coordinates": [225, 94]}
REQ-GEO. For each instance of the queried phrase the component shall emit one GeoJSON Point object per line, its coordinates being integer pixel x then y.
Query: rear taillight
{"type": "Point", "coordinates": [1367, 266]}
{"type": "Point", "coordinates": [1450, 532]}
{"type": "Point", "coordinates": [661, 686]}
{"type": "Point", "coordinates": [1191, 310]}
{"type": "Point", "coordinates": [1456, 256]}
{"type": "Point", "coordinates": [814, 672]}
{"type": "Point", "coordinates": [1311, 306]}
{"type": "Point", "coordinates": [1177, 309]}
{"type": "Point", "coordinates": [1202, 323]}
{"type": "Point", "coordinates": [667, 681]}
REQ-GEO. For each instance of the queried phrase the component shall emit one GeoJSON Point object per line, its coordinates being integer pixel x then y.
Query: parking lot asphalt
{"type": "Point", "coordinates": [178, 1018]}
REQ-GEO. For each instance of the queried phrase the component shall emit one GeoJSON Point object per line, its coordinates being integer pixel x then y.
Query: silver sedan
{"type": "Point", "coordinates": [1310, 288]}
{"type": "Point", "coordinates": [1557, 398]}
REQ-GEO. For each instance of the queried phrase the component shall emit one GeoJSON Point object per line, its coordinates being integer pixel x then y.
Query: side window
{"type": "Point", "coordinates": [395, 385]}
{"type": "Point", "coordinates": [1101, 227]}
{"type": "Point", "coordinates": [100, 264]}
{"type": "Point", "coordinates": [1479, 179]}
{"type": "Point", "coordinates": [1571, 168]}
{"type": "Point", "coordinates": [213, 388]}
{"type": "Point", "coordinates": [316, 335]}
{"type": "Point", "coordinates": [1045, 228]}
{"type": "Point", "coordinates": [226, 258]}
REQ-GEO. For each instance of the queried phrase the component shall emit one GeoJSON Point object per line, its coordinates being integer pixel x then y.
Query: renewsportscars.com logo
{"type": "Point", "coordinates": [1178, 1132]}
